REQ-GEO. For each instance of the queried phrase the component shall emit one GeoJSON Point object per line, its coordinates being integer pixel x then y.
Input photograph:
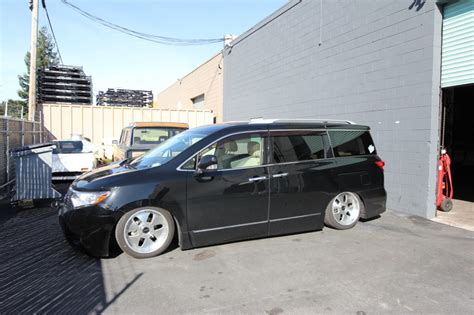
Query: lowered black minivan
{"type": "Point", "coordinates": [228, 182]}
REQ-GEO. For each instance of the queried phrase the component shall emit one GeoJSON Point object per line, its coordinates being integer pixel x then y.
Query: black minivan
{"type": "Point", "coordinates": [228, 182]}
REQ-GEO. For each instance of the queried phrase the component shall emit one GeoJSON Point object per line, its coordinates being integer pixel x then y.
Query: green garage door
{"type": "Point", "coordinates": [457, 66]}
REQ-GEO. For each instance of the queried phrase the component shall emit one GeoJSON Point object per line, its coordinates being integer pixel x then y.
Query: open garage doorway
{"type": "Point", "coordinates": [458, 138]}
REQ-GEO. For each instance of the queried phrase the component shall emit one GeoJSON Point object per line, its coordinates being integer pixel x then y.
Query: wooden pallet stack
{"type": "Point", "coordinates": [65, 85]}
{"type": "Point", "coordinates": [124, 97]}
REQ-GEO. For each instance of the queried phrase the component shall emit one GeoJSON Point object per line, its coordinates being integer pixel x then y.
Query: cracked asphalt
{"type": "Point", "coordinates": [394, 264]}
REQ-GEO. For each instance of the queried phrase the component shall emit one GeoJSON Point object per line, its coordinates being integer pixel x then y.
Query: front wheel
{"type": "Point", "coordinates": [343, 211]}
{"type": "Point", "coordinates": [145, 232]}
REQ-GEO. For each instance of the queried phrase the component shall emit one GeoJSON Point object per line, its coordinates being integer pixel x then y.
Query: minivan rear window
{"type": "Point", "coordinates": [351, 142]}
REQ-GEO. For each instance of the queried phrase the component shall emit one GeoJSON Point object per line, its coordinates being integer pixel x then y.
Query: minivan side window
{"type": "Point", "coordinates": [234, 152]}
{"type": "Point", "coordinates": [239, 152]}
{"type": "Point", "coordinates": [351, 143]}
{"type": "Point", "coordinates": [304, 146]}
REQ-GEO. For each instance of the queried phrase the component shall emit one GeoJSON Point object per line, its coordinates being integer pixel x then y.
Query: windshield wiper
{"type": "Point", "coordinates": [124, 162]}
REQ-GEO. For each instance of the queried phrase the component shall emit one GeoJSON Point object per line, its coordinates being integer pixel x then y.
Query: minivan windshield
{"type": "Point", "coordinates": [169, 149]}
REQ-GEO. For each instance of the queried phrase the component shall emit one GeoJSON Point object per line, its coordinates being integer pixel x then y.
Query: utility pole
{"type": "Point", "coordinates": [34, 36]}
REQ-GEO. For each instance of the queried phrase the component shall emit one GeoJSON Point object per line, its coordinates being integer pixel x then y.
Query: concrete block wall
{"type": "Point", "coordinates": [373, 62]}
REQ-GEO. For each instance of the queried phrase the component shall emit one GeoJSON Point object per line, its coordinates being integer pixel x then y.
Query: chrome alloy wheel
{"type": "Point", "coordinates": [146, 231]}
{"type": "Point", "coordinates": [346, 208]}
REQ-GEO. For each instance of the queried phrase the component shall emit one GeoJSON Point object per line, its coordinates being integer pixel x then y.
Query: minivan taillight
{"type": "Point", "coordinates": [380, 164]}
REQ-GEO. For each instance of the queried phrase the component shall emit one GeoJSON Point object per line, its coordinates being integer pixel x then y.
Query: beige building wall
{"type": "Point", "coordinates": [207, 80]}
{"type": "Point", "coordinates": [99, 122]}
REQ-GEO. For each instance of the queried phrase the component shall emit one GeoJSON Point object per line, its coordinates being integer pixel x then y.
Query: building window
{"type": "Point", "coordinates": [198, 102]}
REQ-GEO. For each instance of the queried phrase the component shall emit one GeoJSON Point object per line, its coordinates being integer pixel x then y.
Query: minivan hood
{"type": "Point", "coordinates": [101, 177]}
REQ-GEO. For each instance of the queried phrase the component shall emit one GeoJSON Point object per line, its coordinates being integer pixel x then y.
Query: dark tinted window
{"type": "Point", "coordinates": [350, 143]}
{"type": "Point", "coordinates": [292, 148]}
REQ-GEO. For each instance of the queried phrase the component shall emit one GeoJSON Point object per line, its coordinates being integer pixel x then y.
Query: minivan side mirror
{"type": "Point", "coordinates": [205, 162]}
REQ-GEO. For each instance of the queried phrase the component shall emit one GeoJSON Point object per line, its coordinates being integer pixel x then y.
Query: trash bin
{"type": "Point", "coordinates": [33, 172]}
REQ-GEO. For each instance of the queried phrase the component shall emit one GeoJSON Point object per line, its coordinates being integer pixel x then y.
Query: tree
{"type": "Point", "coordinates": [46, 56]}
{"type": "Point", "coordinates": [14, 108]}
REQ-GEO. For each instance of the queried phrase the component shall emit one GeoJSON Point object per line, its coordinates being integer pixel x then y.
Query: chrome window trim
{"type": "Point", "coordinates": [179, 168]}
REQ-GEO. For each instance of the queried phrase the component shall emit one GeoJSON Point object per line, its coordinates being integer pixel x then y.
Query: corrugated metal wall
{"type": "Point", "coordinates": [458, 44]}
{"type": "Point", "coordinates": [99, 122]}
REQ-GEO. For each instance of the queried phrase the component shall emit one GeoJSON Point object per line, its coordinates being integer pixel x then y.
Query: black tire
{"type": "Point", "coordinates": [330, 215]}
{"type": "Point", "coordinates": [446, 205]}
{"type": "Point", "coordinates": [145, 231]}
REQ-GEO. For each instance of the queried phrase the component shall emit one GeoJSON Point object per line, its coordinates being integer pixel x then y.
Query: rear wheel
{"type": "Point", "coordinates": [145, 232]}
{"type": "Point", "coordinates": [343, 211]}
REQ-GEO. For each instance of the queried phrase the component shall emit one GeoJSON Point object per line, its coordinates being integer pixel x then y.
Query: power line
{"type": "Point", "coordinates": [149, 37]}
{"type": "Point", "coordinates": [43, 2]}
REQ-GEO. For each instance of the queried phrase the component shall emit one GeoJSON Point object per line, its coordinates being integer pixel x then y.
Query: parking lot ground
{"type": "Point", "coordinates": [393, 264]}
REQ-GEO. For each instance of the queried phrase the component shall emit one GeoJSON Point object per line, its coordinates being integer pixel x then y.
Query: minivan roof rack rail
{"type": "Point", "coordinates": [270, 121]}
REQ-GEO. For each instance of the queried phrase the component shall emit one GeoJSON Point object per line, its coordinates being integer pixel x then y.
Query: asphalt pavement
{"type": "Point", "coordinates": [394, 264]}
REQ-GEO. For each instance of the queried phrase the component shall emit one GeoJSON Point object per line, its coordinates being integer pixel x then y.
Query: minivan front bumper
{"type": "Point", "coordinates": [92, 227]}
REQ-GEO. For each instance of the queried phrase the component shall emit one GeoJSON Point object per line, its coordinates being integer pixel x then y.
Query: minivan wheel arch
{"type": "Point", "coordinates": [178, 230]}
{"type": "Point", "coordinates": [363, 213]}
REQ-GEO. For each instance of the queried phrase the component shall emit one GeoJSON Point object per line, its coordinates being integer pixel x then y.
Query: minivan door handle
{"type": "Point", "coordinates": [279, 175]}
{"type": "Point", "coordinates": [256, 179]}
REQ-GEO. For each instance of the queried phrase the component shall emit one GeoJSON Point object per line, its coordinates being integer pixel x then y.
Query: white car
{"type": "Point", "coordinates": [72, 158]}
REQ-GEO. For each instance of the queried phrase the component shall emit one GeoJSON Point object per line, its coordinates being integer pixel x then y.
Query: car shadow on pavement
{"type": "Point", "coordinates": [41, 273]}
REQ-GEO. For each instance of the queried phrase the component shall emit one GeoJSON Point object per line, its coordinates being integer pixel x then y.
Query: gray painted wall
{"type": "Point", "coordinates": [373, 62]}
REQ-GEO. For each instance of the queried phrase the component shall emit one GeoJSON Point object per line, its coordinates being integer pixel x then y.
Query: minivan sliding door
{"type": "Point", "coordinates": [301, 181]}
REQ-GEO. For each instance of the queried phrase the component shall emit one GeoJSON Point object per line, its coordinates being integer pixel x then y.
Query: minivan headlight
{"type": "Point", "coordinates": [82, 198]}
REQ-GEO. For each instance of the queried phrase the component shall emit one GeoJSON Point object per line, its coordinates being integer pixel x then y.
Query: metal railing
{"type": "Point", "coordinates": [299, 120]}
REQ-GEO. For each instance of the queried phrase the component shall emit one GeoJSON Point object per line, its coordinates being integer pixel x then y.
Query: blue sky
{"type": "Point", "coordinates": [116, 60]}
